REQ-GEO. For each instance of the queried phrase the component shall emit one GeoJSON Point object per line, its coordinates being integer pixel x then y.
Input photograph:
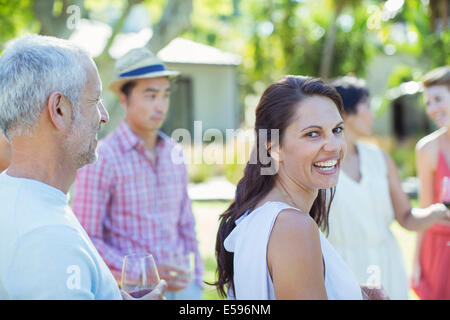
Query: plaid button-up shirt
{"type": "Point", "coordinates": [129, 203]}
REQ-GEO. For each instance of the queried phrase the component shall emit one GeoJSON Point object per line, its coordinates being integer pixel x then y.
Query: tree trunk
{"type": "Point", "coordinates": [330, 40]}
{"type": "Point", "coordinates": [444, 14]}
{"type": "Point", "coordinates": [52, 25]}
{"type": "Point", "coordinates": [175, 20]}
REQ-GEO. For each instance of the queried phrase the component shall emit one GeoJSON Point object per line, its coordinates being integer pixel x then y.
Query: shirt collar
{"type": "Point", "coordinates": [129, 140]}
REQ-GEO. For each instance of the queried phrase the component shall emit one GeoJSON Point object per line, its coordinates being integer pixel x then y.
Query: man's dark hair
{"type": "Point", "coordinates": [127, 88]}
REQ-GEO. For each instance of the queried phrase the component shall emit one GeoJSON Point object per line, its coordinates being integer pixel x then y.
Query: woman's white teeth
{"type": "Point", "coordinates": [326, 164]}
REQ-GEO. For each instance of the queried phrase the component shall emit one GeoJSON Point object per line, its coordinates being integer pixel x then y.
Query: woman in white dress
{"type": "Point", "coordinates": [268, 244]}
{"type": "Point", "coordinates": [368, 199]}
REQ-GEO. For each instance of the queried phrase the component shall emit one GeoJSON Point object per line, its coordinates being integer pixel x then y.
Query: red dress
{"type": "Point", "coordinates": [434, 282]}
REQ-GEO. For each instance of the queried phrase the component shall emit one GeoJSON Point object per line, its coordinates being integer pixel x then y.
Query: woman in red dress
{"type": "Point", "coordinates": [431, 268]}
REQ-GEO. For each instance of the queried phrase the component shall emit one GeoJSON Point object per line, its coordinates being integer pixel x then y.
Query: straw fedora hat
{"type": "Point", "coordinates": [139, 63]}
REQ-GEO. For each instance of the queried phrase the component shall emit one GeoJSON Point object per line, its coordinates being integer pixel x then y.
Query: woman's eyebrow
{"type": "Point", "coordinates": [310, 127]}
{"type": "Point", "coordinates": [319, 127]}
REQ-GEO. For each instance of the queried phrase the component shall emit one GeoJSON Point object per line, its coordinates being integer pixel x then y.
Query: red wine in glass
{"type": "Point", "coordinates": [139, 274]}
{"type": "Point", "coordinates": [139, 293]}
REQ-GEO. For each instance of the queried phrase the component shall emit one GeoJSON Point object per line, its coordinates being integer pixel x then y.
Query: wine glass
{"type": "Point", "coordinates": [445, 191]}
{"type": "Point", "coordinates": [139, 274]}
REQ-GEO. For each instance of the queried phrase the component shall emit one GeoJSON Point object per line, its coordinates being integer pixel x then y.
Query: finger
{"type": "Point", "coordinates": [126, 296]}
{"type": "Point", "coordinates": [154, 295]}
{"type": "Point", "coordinates": [176, 277]}
{"type": "Point", "coordinates": [168, 277]}
{"type": "Point", "coordinates": [174, 288]}
{"type": "Point", "coordinates": [162, 286]}
{"type": "Point", "coordinates": [182, 282]}
{"type": "Point", "coordinates": [157, 294]}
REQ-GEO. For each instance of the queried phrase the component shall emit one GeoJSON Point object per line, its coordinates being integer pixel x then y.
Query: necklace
{"type": "Point", "coordinates": [286, 195]}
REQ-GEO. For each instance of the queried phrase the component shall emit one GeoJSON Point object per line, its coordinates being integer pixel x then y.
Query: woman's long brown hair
{"type": "Point", "coordinates": [275, 110]}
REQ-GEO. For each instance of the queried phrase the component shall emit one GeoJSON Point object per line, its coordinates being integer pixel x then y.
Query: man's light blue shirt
{"type": "Point", "coordinates": [44, 251]}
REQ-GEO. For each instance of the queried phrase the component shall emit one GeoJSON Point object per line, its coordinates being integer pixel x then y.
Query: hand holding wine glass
{"type": "Point", "coordinates": [178, 271]}
{"type": "Point", "coordinates": [140, 278]}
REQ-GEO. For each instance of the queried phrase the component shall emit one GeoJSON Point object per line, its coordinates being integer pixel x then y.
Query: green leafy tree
{"type": "Point", "coordinates": [15, 18]}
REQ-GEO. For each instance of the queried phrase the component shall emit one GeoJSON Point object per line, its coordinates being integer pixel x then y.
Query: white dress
{"type": "Point", "coordinates": [252, 280]}
{"type": "Point", "coordinates": [360, 216]}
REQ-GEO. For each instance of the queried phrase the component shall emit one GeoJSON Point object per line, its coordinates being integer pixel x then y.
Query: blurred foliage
{"type": "Point", "coordinates": [202, 172]}
{"type": "Point", "coordinates": [232, 169]}
{"type": "Point", "coordinates": [16, 18]}
{"type": "Point", "coordinates": [415, 16]}
{"type": "Point", "coordinates": [401, 73]}
{"type": "Point", "coordinates": [278, 37]}
{"type": "Point", "coordinates": [403, 153]}
{"type": "Point", "coordinates": [404, 157]}
{"type": "Point", "coordinates": [284, 37]}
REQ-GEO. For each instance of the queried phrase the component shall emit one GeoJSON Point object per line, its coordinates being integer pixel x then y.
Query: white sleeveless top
{"type": "Point", "coordinates": [252, 280]}
{"type": "Point", "coordinates": [360, 216]}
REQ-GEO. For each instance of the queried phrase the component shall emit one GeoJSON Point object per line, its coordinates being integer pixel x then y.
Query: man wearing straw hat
{"type": "Point", "coordinates": [134, 198]}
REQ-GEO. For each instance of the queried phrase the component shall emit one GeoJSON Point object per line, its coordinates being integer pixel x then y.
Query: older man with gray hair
{"type": "Point", "coordinates": [50, 111]}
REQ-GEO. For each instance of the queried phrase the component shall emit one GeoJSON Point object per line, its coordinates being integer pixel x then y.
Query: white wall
{"type": "Point", "coordinates": [214, 94]}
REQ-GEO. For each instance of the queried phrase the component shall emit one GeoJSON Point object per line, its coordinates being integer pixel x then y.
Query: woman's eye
{"type": "Point", "coordinates": [338, 130]}
{"type": "Point", "coordinates": [312, 134]}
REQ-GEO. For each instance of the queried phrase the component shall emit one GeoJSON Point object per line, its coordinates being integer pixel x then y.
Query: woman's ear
{"type": "Point", "coordinates": [59, 110]}
{"type": "Point", "coordinates": [273, 149]}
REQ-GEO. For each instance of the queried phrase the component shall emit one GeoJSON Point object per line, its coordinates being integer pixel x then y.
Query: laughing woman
{"type": "Point", "coordinates": [268, 244]}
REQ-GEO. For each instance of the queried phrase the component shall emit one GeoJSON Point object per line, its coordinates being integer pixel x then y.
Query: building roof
{"type": "Point", "coordinates": [406, 88]}
{"type": "Point", "coordinates": [181, 50]}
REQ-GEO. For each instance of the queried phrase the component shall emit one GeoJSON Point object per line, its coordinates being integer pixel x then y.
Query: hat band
{"type": "Point", "coordinates": [143, 70]}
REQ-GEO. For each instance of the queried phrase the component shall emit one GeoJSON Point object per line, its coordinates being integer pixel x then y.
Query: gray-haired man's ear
{"type": "Point", "coordinates": [59, 110]}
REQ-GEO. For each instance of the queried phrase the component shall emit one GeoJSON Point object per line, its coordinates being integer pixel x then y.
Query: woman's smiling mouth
{"type": "Point", "coordinates": [326, 167]}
